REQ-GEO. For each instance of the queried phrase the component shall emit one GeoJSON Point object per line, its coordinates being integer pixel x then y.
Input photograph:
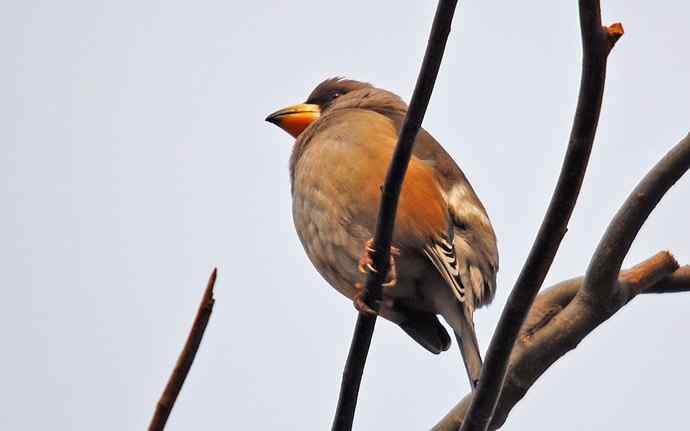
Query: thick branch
{"type": "Point", "coordinates": [557, 315]}
{"type": "Point", "coordinates": [600, 278]}
{"type": "Point", "coordinates": [186, 358]}
{"type": "Point", "coordinates": [364, 329]}
{"type": "Point", "coordinates": [597, 43]}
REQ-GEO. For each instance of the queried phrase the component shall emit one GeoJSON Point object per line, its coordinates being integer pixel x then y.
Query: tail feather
{"type": "Point", "coordinates": [469, 348]}
{"type": "Point", "coordinates": [425, 329]}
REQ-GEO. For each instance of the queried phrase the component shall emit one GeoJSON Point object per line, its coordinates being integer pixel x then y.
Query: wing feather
{"type": "Point", "coordinates": [442, 255]}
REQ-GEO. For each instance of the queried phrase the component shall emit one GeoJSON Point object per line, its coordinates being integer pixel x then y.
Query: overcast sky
{"type": "Point", "coordinates": [135, 158]}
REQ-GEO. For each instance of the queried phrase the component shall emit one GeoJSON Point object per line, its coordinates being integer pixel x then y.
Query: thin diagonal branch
{"type": "Point", "coordinates": [597, 43]}
{"type": "Point", "coordinates": [364, 329]}
{"type": "Point", "coordinates": [606, 262]}
{"type": "Point", "coordinates": [186, 358]}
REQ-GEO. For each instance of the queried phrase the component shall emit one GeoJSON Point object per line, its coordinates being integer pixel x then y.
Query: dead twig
{"type": "Point", "coordinates": [186, 358]}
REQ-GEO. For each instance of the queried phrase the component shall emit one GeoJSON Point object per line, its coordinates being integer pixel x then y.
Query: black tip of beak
{"type": "Point", "coordinates": [273, 118]}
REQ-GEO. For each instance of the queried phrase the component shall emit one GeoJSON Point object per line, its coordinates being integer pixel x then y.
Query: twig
{"type": "Point", "coordinates": [186, 358]}
{"type": "Point", "coordinates": [364, 329]}
{"type": "Point", "coordinates": [606, 262]}
{"type": "Point", "coordinates": [597, 43]}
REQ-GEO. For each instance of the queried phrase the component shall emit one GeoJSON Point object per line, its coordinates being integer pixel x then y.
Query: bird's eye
{"type": "Point", "coordinates": [335, 96]}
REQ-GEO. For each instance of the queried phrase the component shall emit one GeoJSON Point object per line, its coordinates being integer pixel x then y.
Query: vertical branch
{"type": "Point", "coordinates": [186, 358]}
{"type": "Point", "coordinates": [364, 329]}
{"type": "Point", "coordinates": [597, 43]}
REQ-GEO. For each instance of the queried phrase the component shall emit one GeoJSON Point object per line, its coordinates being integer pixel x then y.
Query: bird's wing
{"type": "Point", "coordinates": [441, 253]}
{"type": "Point", "coordinates": [475, 249]}
{"type": "Point", "coordinates": [457, 269]}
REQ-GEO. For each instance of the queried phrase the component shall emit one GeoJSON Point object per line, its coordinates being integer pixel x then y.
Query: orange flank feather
{"type": "Point", "coordinates": [348, 162]}
{"type": "Point", "coordinates": [422, 211]}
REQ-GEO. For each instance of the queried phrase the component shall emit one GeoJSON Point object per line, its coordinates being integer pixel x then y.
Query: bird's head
{"type": "Point", "coordinates": [294, 119]}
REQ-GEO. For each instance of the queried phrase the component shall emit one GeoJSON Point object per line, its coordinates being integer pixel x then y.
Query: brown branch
{"type": "Point", "coordinates": [566, 313]}
{"type": "Point", "coordinates": [649, 277]}
{"type": "Point", "coordinates": [648, 273]}
{"type": "Point", "coordinates": [597, 42]}
{"type": "Point", "coordinates": [606, 262]}
{"type": "Point", "coordinates": [364, 329]}
{"type": "Point", "coordinates": [557, 322]}
{"type": "Point", "coordinates": [186, 358]}
{"type": "Point", "coordinates": [678, 282]}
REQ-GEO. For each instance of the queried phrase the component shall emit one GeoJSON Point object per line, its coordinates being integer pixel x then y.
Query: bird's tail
{"type": "Point", "coordinates": [469, 347]}
{"type": "Point", "coordinates": [425, 329]}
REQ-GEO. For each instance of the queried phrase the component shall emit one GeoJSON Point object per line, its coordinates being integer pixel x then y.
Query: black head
{"type": "Point", "coordinates": [331, 89]}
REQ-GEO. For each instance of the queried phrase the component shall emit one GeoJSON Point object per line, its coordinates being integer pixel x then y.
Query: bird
{"type": "Point", "coordinates": [444, 247]}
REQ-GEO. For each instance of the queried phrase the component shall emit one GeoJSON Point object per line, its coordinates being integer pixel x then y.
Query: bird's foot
{"type": "Point", "coordinates": [360, 304]}
{"type": "Point", "coordinates": [358, 300]}
{"type": "Point", "coordinates": [366, 263]}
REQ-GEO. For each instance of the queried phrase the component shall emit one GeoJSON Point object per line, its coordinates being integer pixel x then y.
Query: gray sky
{"type": "Point", "coordinates": [135, 158]}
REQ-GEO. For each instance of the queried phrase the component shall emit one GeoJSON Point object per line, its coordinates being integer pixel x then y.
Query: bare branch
{"type": "Point", "coordinates": [600, 278]}
{"type": "Point", "coordinates": [567, 312]}
{"type": "Point", "coordinates": [649, 277]}
{"type": "Point", "coordinates": [186, 358]}
{"type": "Point", "coordinates": [679, 281]}
{"type": "Point", "coordinates": [557, 322]}
{"type": "Point", "coordinates": [648, 273]}
{"type": "Point", "coordinates": [364, 329]}
{"type": "Point", "coordinates": [597, 42]}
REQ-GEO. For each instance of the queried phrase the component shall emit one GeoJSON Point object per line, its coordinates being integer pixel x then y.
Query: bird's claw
{"type": "Point", "coordinates": [361, 305]}
{"type": "Point", "coordinates": [366, 263]}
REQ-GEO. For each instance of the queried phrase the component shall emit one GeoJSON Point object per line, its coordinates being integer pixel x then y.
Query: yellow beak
{"type": "Point", "coordinates": [294, 119]}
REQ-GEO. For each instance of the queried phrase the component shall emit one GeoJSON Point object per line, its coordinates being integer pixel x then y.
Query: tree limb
{"type": "Point", "coordinates": [678, 282]}
{"type": "Point", "coordinates": [597, 42]}
{"type": "Point", "coordinates": [364, 328]}
{"type": "Point", "coordinates": [186, 358]}
{"type": "Point", "coordinates": [606, 262]}
{"type": "Point", "coordinates": [567, 312]}
{"type": "Point", "coordinates": [557, 322]}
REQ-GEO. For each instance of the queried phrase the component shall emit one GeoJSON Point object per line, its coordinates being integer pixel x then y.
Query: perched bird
{"type": "Point", "coordinates": [444, 245]}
